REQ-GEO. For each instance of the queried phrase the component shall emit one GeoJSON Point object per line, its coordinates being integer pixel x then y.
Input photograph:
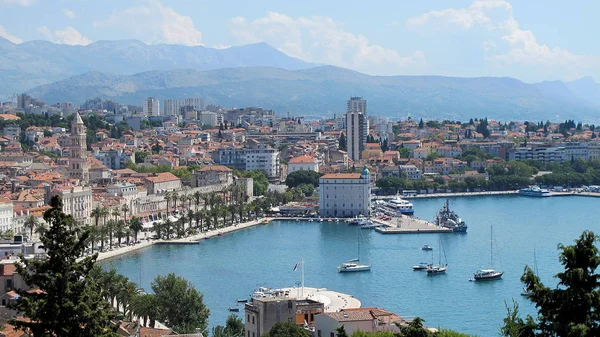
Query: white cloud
{"type": "Point", "coordinates": [154, 23]}
{"type": "Point", "coordinates": [69, 35]}
{"type": "Point", "coordinates": [323, 40]}
{"type": "Point", "coordinates": [505, 44]}
{"type": "Point", "coordinates": [8, 36]}
{"type": "Point", "coordinates": [69, 13]}
{"type": "Point", "coordinates": [24, 3]}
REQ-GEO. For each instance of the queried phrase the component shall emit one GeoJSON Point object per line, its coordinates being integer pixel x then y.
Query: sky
{"type": "Point", "coordinates": [532, 40]}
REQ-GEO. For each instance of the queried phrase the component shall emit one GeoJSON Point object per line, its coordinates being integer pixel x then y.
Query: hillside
{"type": "Point", "coordinates": [29, 64]}
{"type": "Point", "coordinates": [323, 90]}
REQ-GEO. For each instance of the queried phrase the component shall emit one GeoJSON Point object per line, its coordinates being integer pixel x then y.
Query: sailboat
{"type": "Point", "coordinates": [439, 268]}
{"type": "Point", "coordinates": [354, 264]}
{"type": "Point", "coordinates": [526, 292]}
{"type": "Point", "coordinates": [488, 274]}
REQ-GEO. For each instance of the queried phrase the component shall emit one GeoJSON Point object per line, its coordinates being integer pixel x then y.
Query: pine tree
{"type": "Point", "coordinates": [421, 124]}
{"type": "Point", "coordinates": [69, 303]}
{"type": "Point", "coordinates": [342, 142]}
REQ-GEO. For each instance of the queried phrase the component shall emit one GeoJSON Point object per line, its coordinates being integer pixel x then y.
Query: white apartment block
{"type": "Point", "coordinates": [260, 158]}
{"type": "Point", "coordinates": [345, 194]}
{"type": "Point", "coordinates": [543, 154]}
{"type": "Point", "coordinates": [593, 151]}
{"type": "Point", "coordinates": [151, 107]}
{"type": "Point", "coordinates": [6, 216]}
{"type": "Point", "coordinates": [172, 107]}
{"type": "Point", "coordinates": [77, 201]}
{"type": "Point", "coordinates": [196, 103]}
{"type": "Point", "coordinates": [208, 118]}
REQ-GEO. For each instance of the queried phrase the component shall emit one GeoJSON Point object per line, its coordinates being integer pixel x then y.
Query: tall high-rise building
{"type": "Point", "coordinates": [79, 166]}
{"type": "Point", "coordinates": [357, 127]}
{"type": "Point", "coordinates": [197, 103]}
{"type": "Point", "coordinates": [172, 107]}
{"type": "Point", "coordinates": [151, 107]}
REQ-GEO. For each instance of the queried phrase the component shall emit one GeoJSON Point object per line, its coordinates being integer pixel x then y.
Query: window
{"type": "Point", "coordinates": [3, 303]}
{"type": "Point", "coordinates": [332, 335]}
{"type": "Point", "coordinates": [248, 319]}
{"type": "Point", "coordinates": [9, 284]}
{"type": "Point", "coordinates": [319, 333]}
{"type": "Point", "coordinates": [252, 319]}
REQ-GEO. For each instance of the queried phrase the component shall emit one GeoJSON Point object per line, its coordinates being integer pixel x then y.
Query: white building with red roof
{"type": "Point", "coordinates": [303, 163]}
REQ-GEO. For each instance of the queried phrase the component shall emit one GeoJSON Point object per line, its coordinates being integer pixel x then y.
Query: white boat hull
{"type": "Point", "coordinates": [354, 268]}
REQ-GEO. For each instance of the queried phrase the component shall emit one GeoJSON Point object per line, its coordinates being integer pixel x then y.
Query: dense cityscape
{"type": "Point", "coordinates": [299, 169]}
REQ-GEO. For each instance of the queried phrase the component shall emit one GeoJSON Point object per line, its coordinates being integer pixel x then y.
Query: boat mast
{"type": "Point", "coordinates": [491, 247]}
{"type": "Point", "coordinates": [303, 276]}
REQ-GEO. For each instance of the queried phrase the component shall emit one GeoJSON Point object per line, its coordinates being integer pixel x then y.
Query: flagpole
{"type": "Point", "coordinates": [303, 276]}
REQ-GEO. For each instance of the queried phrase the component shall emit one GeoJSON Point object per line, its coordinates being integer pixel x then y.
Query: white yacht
{"type": "Point", "coordinates": [352, 266]}
{"type": "Point", "coordinates": [534, 191]}
{"type": "Point", "coordinates": [401, 206]}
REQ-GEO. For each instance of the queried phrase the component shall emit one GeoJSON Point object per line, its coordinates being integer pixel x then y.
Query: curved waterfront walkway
{"type": "Point", "coordinates": [194, 239]}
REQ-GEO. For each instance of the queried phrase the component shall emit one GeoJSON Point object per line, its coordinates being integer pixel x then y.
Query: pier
{"type": "Point", "coordinates": [408, 225]}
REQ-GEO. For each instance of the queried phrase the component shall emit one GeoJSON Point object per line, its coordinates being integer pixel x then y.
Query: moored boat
{"type": "Point", "coordinates": [490, 273]}
{"type": "Point", "coordinates": [353, 266]}
{"type": "Point", "coordinates": [448, 219]}
{"type": "Point", "coordinates": [421, 266]}
{"type": "Point", "coordinates": [234, 309]}
{"type": "Point", "coordinates": [401, 206]}
{"type": "Point", "coordinates": [534, 191]}
{"type": "Point", "coordinates": [426, 247]}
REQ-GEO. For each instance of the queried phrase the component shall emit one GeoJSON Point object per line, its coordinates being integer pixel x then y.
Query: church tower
{"type": "Point", "coordinates": [79, 165]}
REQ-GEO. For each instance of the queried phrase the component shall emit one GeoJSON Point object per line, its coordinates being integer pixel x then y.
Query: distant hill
{"type": "Point", "coordinates": [586, 89]}
{"type": "Point", "coordinates": [323, 90]}
{"type": "Point", "coordinates": [29, 64]}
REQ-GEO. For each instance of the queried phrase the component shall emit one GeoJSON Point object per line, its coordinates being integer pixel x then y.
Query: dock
{"type": "Point", "coordinates": [408, 225]}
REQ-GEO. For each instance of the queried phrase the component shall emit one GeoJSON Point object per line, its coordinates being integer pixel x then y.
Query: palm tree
{"type": "Point", "coordinates": [232, 210]}
{"type": "Point", "coordinates": [110, 228]}
{"type": "Point", "coordinates": [128, 291]}
{"type": "Point", "coordinates": [135, 224]}
{"type": "Point", "coordinates": [205, 200]}
{"type": "Point", "coordinates": [104, 212]}
{"type": "Point", "coordinates": [190, 216]}
{"type": "Point", "coordinates": [196, 197]}
{"type": "Point", "coordinates": [180, 225]}
{"type": "Point", "coordinates": [102, 233]}
{"type": "Point", "coordinates": [157, 228]}
{"type": "Point", "coordinates": [168, 198]}
{"type": "Point", "coordinates": [199, 217]}
{"type": "Point", "coordinates": [144, 307]}
{"type": "Point", "coordinates": [41, 229]}
{"type": "Point", "coordinates": [175, 197]}
{"type": "Point", "coordinates": [96, 214]}
{"type": "Point", "coordinates": [125, 209]}
{"type": "Point", "coordinates": [31, 223]}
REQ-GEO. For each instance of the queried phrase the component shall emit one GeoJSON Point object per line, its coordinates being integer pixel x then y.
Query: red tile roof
{"type": "Point", "coordinates": [342, 176]}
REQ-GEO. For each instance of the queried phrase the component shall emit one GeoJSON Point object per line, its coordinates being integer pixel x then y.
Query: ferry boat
{"type": "Point", "coordinates": [448, 219]}
{"type": "Point", "coordinates": [534, 191]}
{"type": "Point", "coordinates": [401, 206]}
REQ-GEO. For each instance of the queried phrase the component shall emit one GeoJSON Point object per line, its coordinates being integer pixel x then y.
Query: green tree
{"type": "Point", "coordinates": [342, 142]}
{"type": "Point", "coordinates": [70, 302]}
{"type": "Point", "coordinates": [234, 327]}
{"type": "Point", "coordinates": [341, 332]}
{"type": "Point", "coordinates": [31, 223]}
{"type": "Point", "coordinates": [135, 225]}
{"type": "Point", "coordinates": [286, 329]}
{"type": "Point", "coordinates": [421, 124]}
{"type": "Point", "coordinates": [573, 307]}
{"type": "Point", "coordinates": [297, 178]}
{"type": "Point", "coordinates": [404, 152]}
{"type": "Point", "coordinates": [186, 314]}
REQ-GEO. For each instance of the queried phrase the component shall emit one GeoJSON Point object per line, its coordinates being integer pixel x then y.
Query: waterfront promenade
{"type": "Point", "coordinates": [194, 239]}
{"type": "Point", "coordinates": [460, 194]}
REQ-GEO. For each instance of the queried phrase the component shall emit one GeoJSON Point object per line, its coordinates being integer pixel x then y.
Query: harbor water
{"type": "Point", "coordinates": [233, 266]}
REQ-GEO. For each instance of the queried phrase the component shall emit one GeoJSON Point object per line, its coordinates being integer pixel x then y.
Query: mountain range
{"type": "Point", "coordinates": [29, 64]}
{"type": "Point", "coordinates": [129, 71]}
{"type": "Point", "coordinates": [323, 91]}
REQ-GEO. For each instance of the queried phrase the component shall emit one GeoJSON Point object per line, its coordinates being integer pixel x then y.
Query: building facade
{"type": "Point", "coordinates": [263, 312]}
{"type": "Point", "coordinates": [412, 172]}
{"type": "Point", "coordinates": [357, 127]}
{"type": "Point", "coordinates": [79, 165]}
{"type": "Point", "coordinates": [303, 163]}
{"type": "Point", "coordinates": [345, 194]}
{"type": "Point", "coordinates": [151, 107]}
{"type": "Point", "coordinates": [158, 183]}
{"type": "Point", "coordinates": [6, 216]}
{"type": "Point", "coordinates": [77, 202]}
{"type": "Point", "coordinates": [261, 158]}
{"type": "Point", "coordinates": [212, 175]}
{"type": "Point", "coordinates": [172, 107]}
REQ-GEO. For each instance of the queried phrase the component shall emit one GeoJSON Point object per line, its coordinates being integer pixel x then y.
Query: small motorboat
{"type": "Point", "coordinates": [234, 309]}
{"type": "Point", "coordinates": [421, 266]}
{"type": "Point", "coordinates": [426, 247]}
{"type": "Point", "coordinates": [242, 300]}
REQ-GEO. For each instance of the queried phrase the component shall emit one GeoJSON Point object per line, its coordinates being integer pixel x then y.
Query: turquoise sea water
{"type": "Point", "coordinates": [230, 267]}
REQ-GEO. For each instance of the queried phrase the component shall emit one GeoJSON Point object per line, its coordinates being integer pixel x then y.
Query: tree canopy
{"type": "Point", "coordinates": [570, 309]}
{"type": "Point", "coordinates": [303, 177]}
{"type": "Point", "coordinates": [69, 302]}
{"type": "Point", "coordinates": [286, 329]}
{"type": "Point", "coordinates": [180, 305]}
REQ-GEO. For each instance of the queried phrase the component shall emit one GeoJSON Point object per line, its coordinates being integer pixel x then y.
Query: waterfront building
{"type": "Point", "coordinates": [151, 107]}
{"type": "Point", "coordinates": [412, 172]}
{"type": "Point", "coordinates": [345, 194]}
{"type": "Point", "coordinates": [212, 175]}
{"type": "Point", "coordinates": [263, 312]}
{"type": "Point", "coordinates": [303, 163]}
{"type": "Point", "coordinates": [543, 154]}
{"type": "Point", "coordinates": [77, 202]}
{"type": "Point", "coordinates": [162, 183]}
{"type": "Point", "coordinates": [79, 165]}
{"type": "Point", "coordinates": [369, 320]}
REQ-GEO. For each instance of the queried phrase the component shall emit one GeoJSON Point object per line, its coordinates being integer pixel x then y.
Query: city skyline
{"type": "Point", "coordinates": [458, 38]}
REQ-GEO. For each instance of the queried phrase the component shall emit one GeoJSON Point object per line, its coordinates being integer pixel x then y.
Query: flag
{"type": "Point", "coordinates": [296, 266]}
